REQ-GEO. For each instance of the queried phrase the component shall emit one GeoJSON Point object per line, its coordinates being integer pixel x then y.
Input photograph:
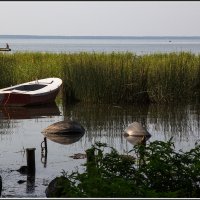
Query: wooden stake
{"type": "Point", "coordinates": [44, 152]}
{"type": "Point", "coordinates": [30, 155]}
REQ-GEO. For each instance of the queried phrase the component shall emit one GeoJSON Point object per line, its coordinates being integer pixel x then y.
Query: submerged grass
{"type": "Point", "coordinates": [110, 77]}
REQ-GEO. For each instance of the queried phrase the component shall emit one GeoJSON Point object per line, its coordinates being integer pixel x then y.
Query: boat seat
{"type": "Point", "coordinates": [45, 82]}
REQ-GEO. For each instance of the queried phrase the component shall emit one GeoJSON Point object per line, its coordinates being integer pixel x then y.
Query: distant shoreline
{"type": "Point", "coordinates": [95, 37]}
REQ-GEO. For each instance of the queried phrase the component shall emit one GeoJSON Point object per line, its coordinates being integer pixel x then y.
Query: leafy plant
{"type": "Point", "coordinates": [154, 170]}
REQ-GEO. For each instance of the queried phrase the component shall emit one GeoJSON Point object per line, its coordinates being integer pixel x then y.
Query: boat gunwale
{"type": "Point", "coordinates": [48, 87]}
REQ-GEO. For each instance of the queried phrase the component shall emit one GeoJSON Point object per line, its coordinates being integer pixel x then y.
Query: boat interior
{"type": "Point", "coordinates": [32, 87]}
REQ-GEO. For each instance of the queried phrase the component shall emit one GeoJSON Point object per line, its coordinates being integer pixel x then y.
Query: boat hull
{"type": "Point", "coordinates": [13, 97]}
{"type": "Point", "coordinates": [5, 49]}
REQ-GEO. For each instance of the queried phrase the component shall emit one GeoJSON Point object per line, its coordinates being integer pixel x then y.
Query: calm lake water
{"type": "Point", "coordinates": [20, 128]}
{"type": "Point", "coordinates": [138, 45]}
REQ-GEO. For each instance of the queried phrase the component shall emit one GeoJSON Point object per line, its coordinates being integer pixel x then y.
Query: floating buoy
{"type": "Point", "coordinates": [65, 127]}
{"type": "Point", "coordinates": [136, 134]}
{"type": "Point", "coordinates": [136, 129]}
{"type": "Point", "coordinates": [64, 132]}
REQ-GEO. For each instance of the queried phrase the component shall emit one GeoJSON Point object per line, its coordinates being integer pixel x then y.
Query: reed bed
{"type": "Point", "coordinates": [128, 78]}
{"type": "Point", "coordinates": [22, 67]}
{"type": "Point", "coordinates": [114, 78]}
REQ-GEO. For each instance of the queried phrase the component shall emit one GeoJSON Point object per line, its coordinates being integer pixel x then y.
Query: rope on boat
{"type": "Point", "coordinates": [7, 99]}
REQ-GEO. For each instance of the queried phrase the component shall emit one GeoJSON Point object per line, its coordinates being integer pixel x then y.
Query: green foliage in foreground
{"type": "Point", "coordinates": [110, 77]}
{"type": "Point", "coordinates": [156, 170]}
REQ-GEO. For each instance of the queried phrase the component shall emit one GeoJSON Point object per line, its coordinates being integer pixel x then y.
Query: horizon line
{"type": "Point", "coordinates": [99, 36]}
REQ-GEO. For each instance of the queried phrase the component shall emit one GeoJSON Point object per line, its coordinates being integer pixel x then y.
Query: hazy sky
{"type": "Point", "coordinates": [117, 18]}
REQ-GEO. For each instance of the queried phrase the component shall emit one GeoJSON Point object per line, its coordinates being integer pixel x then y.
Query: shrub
{"type": "Point", "coordinates": [154, 170]}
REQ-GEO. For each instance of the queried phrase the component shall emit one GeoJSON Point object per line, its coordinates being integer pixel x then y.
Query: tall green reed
{"type": "Point", "coordinates": [114, 78]}
{"type": "Point", "coordinates": [31, 66]}
{"type": "Point", "coordinates": [7, 66]}
{"type": "Point", "coordinates": [173, 77]}
{"type": "Point", "coordinates": [128, 78]}
{"type": "Point", "coordinates": [105, 78]}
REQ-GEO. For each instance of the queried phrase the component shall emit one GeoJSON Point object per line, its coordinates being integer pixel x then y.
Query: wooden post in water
{"type": "Point", "coordinates": [45, 144]}
{"type": "Point", "coordinates": [30, 155]}
{"type": "Point", "coordinates": [30, 184]}
{"type": "Point", "coordinates": [44, 152]}
{"type": "Point", "coordinates": [142, 151]}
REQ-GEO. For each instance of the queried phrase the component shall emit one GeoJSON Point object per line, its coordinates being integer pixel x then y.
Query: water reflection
{"type": "Point", "coordinates": [104, 123]}
{"type": "Point", "coordinates": [109, 119]}
{"type": "Point", "coordinates": [182, 122]}
{"type": "Point", "coordinates": [65, 140]}
{"type": "Point", "coordinates": [178, 121]}
{"type": "Point", "coordinates": [162, 121]}
{"type": "Point", "coordinates": [60, 139]}
{"type": "Point", "coordinates": [29, 112]}
{"type": "Point", "coordinates": [135, 140]}
{"type": "Point", "coordinates": [30, 185]}
{"type": "Point", "coordinates": [11, 116]}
